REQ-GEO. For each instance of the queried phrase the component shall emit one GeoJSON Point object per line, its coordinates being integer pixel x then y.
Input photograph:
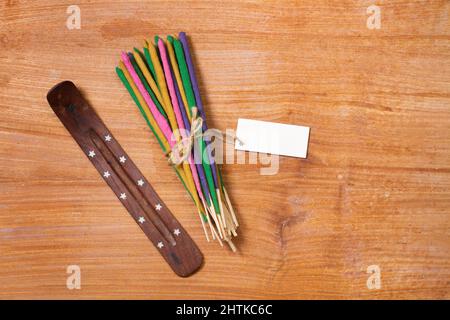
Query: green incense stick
{"type": "Point", "coordinates": [183, 71]}
{"type": "Point", "coordinates": [191, 101]}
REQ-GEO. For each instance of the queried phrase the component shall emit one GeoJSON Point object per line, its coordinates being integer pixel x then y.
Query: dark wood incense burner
{"type": "Point", "coordinates": [125, 179]}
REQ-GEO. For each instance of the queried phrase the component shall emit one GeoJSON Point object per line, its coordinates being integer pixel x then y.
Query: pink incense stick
{"type": "Point", "coordinates": [169, 81]}
{"type": "Point", "coordinates": [160, 120]}
{"type": "Point", "coordinates": [176, 108]}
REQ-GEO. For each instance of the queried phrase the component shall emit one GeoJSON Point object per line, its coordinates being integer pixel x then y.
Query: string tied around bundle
{"type": "Point", "coordinates": [181, 150]}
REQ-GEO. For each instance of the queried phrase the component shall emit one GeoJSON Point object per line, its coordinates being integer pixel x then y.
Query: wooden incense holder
{"type": "Point", "coordinates": [125, 179]}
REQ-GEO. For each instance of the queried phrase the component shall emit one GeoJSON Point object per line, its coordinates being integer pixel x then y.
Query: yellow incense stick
{"type": "Point", "coordinates": [149, 78]}
{"type": "Point", "coordinates": [161, 80]}
{"type": "Point", "coordinates": [190, 182]}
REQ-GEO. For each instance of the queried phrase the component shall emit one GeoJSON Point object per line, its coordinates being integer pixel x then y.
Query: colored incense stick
{"type": "Point", "coordinates": [176, 71]}
{"type": "Point", "coordinates": [192, 103]}
{"type": "Point", "coordinates": [149, 82]}
{"type": "Point", "coordinates": [200, 170]}
{"type": "Point", "coordinates": [193, 77]}
{"type": "Point", "coordinates": [176, 108]}
{"type": "Point", "coordinates": [162, 84]}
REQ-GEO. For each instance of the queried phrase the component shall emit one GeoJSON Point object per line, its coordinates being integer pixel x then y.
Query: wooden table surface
{"type": "Point", "coordinates": [374, 190]}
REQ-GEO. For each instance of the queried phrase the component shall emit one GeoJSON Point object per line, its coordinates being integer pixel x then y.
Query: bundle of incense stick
{"type": "Point", "coordinates": [162, 82]}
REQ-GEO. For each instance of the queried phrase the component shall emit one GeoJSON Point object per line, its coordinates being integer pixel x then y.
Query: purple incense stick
{"type": "Point", "coordinates": [187, 125]}
{"type": "Point", "coordinates": [187, 55]}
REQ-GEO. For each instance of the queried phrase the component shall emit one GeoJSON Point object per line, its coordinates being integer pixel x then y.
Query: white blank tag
{"type": "Point", "coordinates": [271, 137]}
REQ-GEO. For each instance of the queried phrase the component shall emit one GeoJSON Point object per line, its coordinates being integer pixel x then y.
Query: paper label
{"type": "Point", "coordinates": [271, 137]}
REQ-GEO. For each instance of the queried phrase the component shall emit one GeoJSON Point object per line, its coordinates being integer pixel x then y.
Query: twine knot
{"type": "Point", "coordinates": [181, 150]}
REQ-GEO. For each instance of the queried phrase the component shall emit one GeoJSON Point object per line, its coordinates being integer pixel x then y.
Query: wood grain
{"type": "Point", "coordinates": [375, 188]}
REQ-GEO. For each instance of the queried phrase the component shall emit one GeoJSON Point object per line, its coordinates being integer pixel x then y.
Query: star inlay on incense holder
{"type": "Point", "coordinates": [164, 86]}
{"type": "Point", "coordinates": [125, 179]}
